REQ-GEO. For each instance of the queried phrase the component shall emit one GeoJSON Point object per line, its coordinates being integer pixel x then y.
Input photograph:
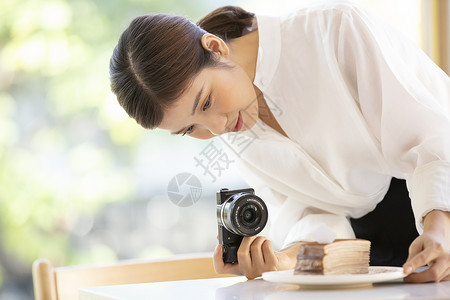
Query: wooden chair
{"type": "Point", "coordinates": [63, 283]}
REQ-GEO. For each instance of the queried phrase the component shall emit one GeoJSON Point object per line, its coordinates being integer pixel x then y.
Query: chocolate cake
{"type": "Point", "coordinates": [345, 256]}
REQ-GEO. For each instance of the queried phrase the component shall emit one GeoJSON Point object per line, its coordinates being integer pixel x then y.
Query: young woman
{"type": "Point", "coordinates": [336, 120]}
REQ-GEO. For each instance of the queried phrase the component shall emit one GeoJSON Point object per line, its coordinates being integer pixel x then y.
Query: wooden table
{"type": "Point", "coordinates": [241, 288]}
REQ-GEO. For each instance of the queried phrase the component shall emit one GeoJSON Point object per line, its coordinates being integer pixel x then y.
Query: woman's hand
{"type": "Point", "coordinates": [430, 248]}
{"type": "Point", "coordinates": [255, 256]}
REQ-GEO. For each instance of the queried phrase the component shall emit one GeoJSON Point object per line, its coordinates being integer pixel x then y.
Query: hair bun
{"type": "Point", "coordinates": [227, 22]}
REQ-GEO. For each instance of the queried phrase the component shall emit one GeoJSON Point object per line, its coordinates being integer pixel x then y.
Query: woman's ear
{"type": "Point", "coordinates": [215, 44]}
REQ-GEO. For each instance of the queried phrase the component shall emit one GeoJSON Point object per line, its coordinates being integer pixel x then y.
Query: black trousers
{"type": "Point", "coordinates": [390, 227]}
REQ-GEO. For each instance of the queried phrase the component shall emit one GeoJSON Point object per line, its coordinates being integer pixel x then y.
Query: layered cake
{"type": "Point", "coordinates": [349, 256]}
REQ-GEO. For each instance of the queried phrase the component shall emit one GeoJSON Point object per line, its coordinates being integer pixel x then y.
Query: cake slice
{"type": "Point", "coordinates": [345, 256]}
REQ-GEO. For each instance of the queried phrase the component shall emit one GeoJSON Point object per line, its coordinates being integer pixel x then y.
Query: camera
{"type": "Point", "coordinates": [239, 213]}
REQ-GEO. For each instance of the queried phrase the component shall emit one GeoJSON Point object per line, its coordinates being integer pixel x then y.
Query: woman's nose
{"type": "Point", "coordinates": [216, 124]}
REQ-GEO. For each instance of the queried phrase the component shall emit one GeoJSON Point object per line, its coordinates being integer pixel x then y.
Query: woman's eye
{"type": "Point", "coordinates": [189, 130]}
{"type": "Point", "coordinates": [207, 104]}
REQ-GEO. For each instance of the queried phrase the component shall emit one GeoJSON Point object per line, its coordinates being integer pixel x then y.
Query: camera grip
{"type": "Point", "coordinates": [229, 254]}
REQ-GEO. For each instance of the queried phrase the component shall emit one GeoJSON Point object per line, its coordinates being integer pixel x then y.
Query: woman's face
{"type": "Point", "coordinates": [219, 100]}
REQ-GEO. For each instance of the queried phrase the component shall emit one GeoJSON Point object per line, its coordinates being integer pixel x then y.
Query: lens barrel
{"type": "Point", "coordinates": [243, 214]}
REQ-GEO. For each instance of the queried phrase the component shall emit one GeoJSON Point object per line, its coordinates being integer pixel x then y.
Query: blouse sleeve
{"type": "Point", "coordinates": [405, 99]}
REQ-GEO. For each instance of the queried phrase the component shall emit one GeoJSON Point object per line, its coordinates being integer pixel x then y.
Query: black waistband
{"type": "Point", "coordinates": [390, 227]}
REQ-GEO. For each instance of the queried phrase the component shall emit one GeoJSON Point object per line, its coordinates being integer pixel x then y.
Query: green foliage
{"type": "Point", "coordinates": [65, 144]}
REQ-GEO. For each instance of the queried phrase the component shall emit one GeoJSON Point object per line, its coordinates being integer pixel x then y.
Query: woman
{"type": "Point", "coordinates": [336, 114]}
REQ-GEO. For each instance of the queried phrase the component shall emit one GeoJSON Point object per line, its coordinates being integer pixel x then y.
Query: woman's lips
{"type": "Point", "coordinates": [238, 123]}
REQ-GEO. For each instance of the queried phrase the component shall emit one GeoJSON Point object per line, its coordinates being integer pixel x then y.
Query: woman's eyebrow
{"type": "Point", "coordinates": [197, 99]}
{"type": "Point", "coordinates": [194, 108]}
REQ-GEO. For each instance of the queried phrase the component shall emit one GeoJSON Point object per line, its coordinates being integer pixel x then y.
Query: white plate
{"type": "Point", "coordinates": [376, 274]}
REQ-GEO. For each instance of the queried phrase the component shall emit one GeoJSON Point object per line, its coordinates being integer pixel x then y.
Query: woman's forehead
{"type": "Point", "coordinates": [185, 105]}
{"type": "Point", "coordinates": [192, 92]}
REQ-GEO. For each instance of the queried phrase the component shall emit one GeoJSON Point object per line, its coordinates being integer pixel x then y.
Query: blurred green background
{"type": "Point", "coordinates": [80, 182]}
{"type": "Point", "coordinates": [76, 174]}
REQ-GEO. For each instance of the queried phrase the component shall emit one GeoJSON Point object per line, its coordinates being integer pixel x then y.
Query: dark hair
{"type": "Point", "coordinates": [157, 57]}
{"type": "Point", "coordinates": [227, 22]}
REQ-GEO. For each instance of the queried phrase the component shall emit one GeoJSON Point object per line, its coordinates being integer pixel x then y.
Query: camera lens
{"type": "Point", "coordinates": [243, 214]}
{"type": "Point", "coordinates": [250, 215]}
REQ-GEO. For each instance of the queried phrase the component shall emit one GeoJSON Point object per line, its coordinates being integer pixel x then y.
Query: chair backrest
{"type": "Point", "coordinates": [63, 283]}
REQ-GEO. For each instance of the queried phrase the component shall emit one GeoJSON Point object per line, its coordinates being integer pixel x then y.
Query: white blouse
{"type": "Point", "coordinates": [360, 104]}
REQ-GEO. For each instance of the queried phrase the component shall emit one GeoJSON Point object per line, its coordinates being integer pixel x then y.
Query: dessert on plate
{"type": "Point", "coordinates": [342, 256]}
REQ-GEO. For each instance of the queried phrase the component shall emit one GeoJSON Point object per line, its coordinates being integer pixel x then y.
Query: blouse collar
{"type": "Point", "coordinates": [268, 50]}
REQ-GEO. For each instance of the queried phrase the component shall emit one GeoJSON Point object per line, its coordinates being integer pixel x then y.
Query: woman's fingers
{"type": "Point", "coordinates": [438, 271]}
{"type": "Point", "coordinates": [270, 259]}
{"type": "Point", "coordinates": [414, 249]}
{"type": "Point", "coordinates": [219, 265]}
{"type": "Point", "coordinates": [255, 256]}
{"type": "Point", "coordinates": [419, 255]}
{"type": "Point", "coordinates": [245, 257]}
{"type": "Point", "coordinates": [418, 260]}
{"type": "Point", "coordinates": [257, 253]}
{"type": "Point", "coordinates": [426, 250]}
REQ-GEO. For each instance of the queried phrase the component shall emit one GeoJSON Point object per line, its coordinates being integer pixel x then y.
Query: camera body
{"type": "Point", "coordinates": [239, 213]}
